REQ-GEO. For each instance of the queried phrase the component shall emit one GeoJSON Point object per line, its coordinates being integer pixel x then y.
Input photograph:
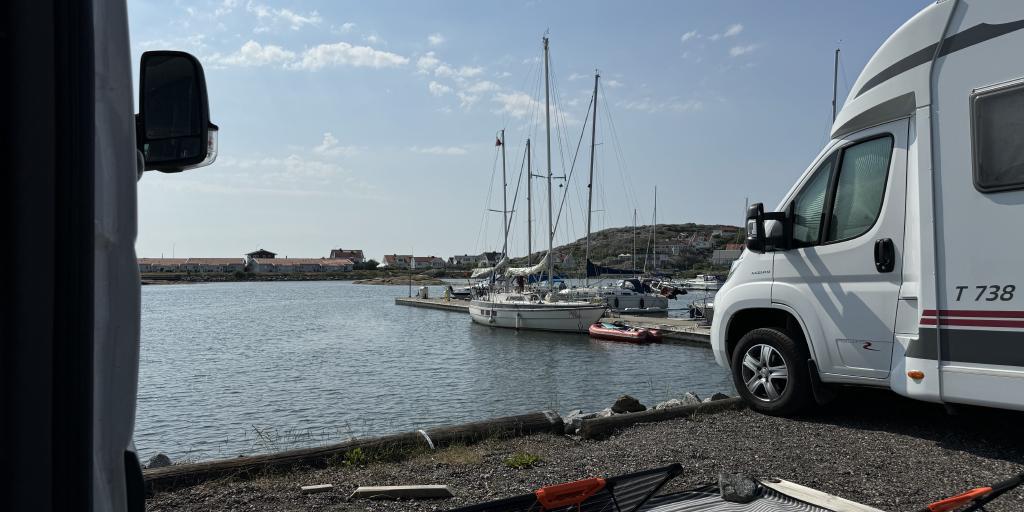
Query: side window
{"type": "Point", "coordinates": [808, 205]}
{"type": "Point", "coordinates": [860, 188]}
{"type": "Point", "coordinates": [998, 138]}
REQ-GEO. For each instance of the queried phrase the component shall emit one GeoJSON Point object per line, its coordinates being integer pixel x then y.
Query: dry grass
{"type": "Point", "coordinates": [459, 456]}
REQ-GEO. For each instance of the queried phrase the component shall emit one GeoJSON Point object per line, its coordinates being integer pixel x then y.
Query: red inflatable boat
{"type": "Point", "coordinates": [621, 332]}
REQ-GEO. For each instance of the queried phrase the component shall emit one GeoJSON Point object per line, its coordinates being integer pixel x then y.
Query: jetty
{"type": "Point", "coordinates": [673, 330]}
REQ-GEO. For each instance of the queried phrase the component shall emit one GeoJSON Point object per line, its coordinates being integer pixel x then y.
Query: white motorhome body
{"type": "Point", "coordinates": [896, 261]}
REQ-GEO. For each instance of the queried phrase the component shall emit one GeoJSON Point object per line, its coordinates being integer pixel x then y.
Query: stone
{"type": "Point", "coordinates": [604, 413]}
{"type": "Point", "coordinates": [675, 402]}
{"type": "Point", "coordinates": [719, 396]}
{"type": "Point", "coordinates": [626, 403]}
{"type": "Point", "coordinates": [574, 420]}
{"type": "Point", "coordinates": [158, 461]}
{"type": "Point", "coordinates": [690, 398]}
{"type": "Point", "coordinates": [737, 488]}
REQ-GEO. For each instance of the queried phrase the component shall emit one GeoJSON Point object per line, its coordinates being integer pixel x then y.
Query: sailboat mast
{"type": "Point", "coordinates": [504, 196]}
{"type": "Point", "coordinates": [835, 82]}
{"type": "Point", "coordinates": [654, 236]}
{"type": "Point", "coordinates": [590, 184]}
{"type": "Point", "coordinates": [529, 207]}
{"type": "Point", "coordinates": [547, 122]}
{"type": "Point", "coordinates": [633, 253]}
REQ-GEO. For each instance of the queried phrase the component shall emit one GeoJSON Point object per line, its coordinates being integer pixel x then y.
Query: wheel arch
{"type": "Point", "coordinates": [746, 320]}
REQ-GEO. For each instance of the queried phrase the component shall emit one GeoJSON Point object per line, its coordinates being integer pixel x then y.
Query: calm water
{"type": "Point", "coordinates": [240, 368]}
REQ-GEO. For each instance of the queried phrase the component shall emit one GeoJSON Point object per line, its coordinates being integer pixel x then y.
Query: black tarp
{"type": "Point", "coordinates": [597, 270]}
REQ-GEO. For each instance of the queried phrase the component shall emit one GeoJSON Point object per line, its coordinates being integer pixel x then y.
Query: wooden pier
{"type": "Point", "coordinates": [673, 330]}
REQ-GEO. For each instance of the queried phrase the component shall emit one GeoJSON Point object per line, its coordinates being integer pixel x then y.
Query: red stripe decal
{"type": "Point", "coordinates": [930, 312]}
{"type": "Point", "coordinates": [928, 321]}
{"type": "Point", "coordinates": [977, 323]}
{"type": "Point", "coordinates": [973, 313]}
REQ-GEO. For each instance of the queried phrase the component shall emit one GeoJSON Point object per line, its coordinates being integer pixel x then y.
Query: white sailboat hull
{"type": "Point", "coordinates": [539, 317]}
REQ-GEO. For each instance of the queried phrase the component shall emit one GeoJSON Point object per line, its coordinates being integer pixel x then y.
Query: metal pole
{"type": "Point", "coordinates": [547, 122]}
{"type": "Point", "coordinates": [655, 233]}
{"type": "Point", "coordinates": [529, 207]}
{"type": "Point", "coordinates": [835, 81]}
{"type": "Point", "coordinates": [633, 253]}
{"type": "Point", "coordinates": [590, 184]}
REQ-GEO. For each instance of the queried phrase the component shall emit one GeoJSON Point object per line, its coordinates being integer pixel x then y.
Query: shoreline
{"type": "Point", "coordinates": [430, 278]}
{"type": "Point", "coordinates": [869, 446]}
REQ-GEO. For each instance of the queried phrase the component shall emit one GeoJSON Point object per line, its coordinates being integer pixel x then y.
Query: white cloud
{"type": "Point", "coordinates": [291, 18]}
{"type": "Point", "coordinates": [652, 106]}
{"type": "Point", "coordinates": [372, 39]}
{"type": "Point", "coordinates": [613, 83]}
{"type": "Point", "coordinates": [438, 89]}
{"type": "Point", "coordinates": [225, 7]}
{"type": "Point", "coordinates": [440, 150]}
{"type": "Point", "coordinates": [193, 43]}
{"type": "Point", "coordinates": [344, 54]}
{"type": "Point", "coordinates": [733, 30]}
{"type": "Point", "coordinates": [482, 86]}
{"type": "Point", "coordinates": [253, 54]}
{"type": "Point", "coordinates": [329, 147]}
{"type": "Point", "coordinates": [344, 28]}
{"type": "Point", "coordinates": [736, 51]}
{"type": "Point", "coordinates": [689, 35]}
{"type": "Point", "coordinates": [435, 39]}
{"type": "Point", "coordinates": [427, 63]}
{"type": "Point", "coordinates": [462, 72]}
{"type": "Point", "coordinates": [715, 37]}
{"type": "Point", "coordinates": [576, 76]}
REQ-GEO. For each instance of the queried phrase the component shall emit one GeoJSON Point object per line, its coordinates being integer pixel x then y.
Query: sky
{"type": "Point", "coordinates": [372, 125]}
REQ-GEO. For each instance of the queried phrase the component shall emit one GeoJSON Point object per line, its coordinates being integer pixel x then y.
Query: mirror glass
{"type": "Point", "coordinates": [172, 109]}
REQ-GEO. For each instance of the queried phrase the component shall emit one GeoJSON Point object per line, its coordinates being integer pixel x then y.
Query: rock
{"type": "Point", "coordinates": [719, 396]}
{"type": "Point", "coordinates": [158, 461]}
{"type": "Point", "coordinates": [675, 402]}
{"type": "Point", "coordinates": [690, 398]}
{"type": "Point", "coordinates": [737, 488]}
{"type": "Point", "coordinates": [604, 413]}
{"type": "Point", "coordinates": [706, 400]}
{"type": "Point", "coordinates": [574, 420]}
{"type": "Point", "coordinates": [626, 403]}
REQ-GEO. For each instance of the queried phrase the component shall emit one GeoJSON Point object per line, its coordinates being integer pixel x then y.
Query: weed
{"type": "Point", "coordinates": [522, 460]}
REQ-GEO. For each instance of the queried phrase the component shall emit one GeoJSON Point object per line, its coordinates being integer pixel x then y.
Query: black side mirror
{"type": "Point", "coordinates": [173, 128]}
{"type": "Point", "coordinates": [755, 228]}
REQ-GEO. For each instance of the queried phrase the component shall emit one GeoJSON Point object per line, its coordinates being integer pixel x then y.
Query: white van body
{"type": "Point", "coordinates": [943, 99]}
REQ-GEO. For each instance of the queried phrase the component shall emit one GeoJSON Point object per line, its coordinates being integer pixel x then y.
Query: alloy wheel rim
{"type": "Point", "coordinates": [764, 372]}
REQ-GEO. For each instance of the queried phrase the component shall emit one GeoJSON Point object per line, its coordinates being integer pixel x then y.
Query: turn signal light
{"type": "Point", "coordinates": [915, 374]}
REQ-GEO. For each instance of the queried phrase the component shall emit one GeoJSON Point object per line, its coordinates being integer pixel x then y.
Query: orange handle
{"type": "Point", "coordinates": [957, 501]}
{"type": "Point", "coordinates": [572, 493]}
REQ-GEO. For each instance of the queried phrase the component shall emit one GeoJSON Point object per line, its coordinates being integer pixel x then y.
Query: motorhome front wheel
{"type": "Point", "coordinates": [769, 371]}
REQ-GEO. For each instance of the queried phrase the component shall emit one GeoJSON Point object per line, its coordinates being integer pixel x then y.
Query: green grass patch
{"type": "Point", "coordinates": [522, 460]}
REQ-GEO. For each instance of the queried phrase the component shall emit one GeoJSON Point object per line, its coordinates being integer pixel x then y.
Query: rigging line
{"type": "Point", "coordinates": [569, 176]}
{"type": "Point", "coordinates": [481, 243]}
{"type": "Point", "coordinates": [620, 155]}
{"type": "Point", "coordinates": [515, 196]}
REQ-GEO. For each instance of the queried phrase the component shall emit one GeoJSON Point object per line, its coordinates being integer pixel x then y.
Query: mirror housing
{"type": "Point", "coordinates": [173, 129]}
{"type": "Point", "coordinates": [755, 228]}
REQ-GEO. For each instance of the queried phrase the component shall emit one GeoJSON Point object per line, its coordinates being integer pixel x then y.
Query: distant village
{"type": "Point", "coordinates": [345, 260]}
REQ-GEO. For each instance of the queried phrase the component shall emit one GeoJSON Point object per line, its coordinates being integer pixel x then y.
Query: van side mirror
{"type": "Point", "coordinates": [755, 228]}
{"type": "Point", "coordinates": [173, 129]}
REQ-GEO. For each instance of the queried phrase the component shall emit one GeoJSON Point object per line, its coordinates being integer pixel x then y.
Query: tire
{"type": "Point", "coordinates": [777, 370]}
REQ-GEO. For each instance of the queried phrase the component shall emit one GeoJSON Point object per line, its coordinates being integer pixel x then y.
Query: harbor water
{"type": "Point", "coordinates": [239, 368]}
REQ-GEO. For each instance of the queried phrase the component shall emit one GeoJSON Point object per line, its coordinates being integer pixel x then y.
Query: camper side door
{"type": "Point", "coordinates": [843, 270]}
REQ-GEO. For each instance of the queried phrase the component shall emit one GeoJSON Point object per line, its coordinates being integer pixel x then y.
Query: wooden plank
{"type": "Point", "coordinates": [313, 489]}
{"type": "Point", "coordinates": [403, 492]}
{"type": "Point", "coordinates": [598, 428]}
{"type": "Point", "coordinates": [386, 447]}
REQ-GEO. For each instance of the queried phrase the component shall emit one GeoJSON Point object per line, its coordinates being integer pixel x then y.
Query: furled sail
{"type": "Point", "coordinates": [487, 271]}
{"type": "Point", "coordinates": [529, 271]}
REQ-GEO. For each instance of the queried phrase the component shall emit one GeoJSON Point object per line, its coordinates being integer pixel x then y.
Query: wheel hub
{"type": "Point", "coordinates": [765, 372]}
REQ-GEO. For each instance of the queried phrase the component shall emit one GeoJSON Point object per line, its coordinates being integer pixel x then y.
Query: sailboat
{"type": "Point", "coordinates": [629, 296]}
{"type": "Point", "coordinates": [535, 309]}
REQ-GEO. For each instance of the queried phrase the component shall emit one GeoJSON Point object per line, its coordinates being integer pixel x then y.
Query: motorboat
{"type": "Point", "coordinates": [702, 282]}
{"type": "Point", "coordinates": [617, 331]}
{"type": "Point", "coordinates": [627, 296]}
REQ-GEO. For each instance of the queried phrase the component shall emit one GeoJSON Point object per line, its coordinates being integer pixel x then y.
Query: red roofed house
{"type": "Point", "coordinates": [356, 255]}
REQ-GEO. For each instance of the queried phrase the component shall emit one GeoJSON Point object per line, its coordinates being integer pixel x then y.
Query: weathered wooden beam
{"type": "Point", "coordinates": [388, 447]}
{"type": "Point", "coordinates": [597, 428]}
{"type": "Point", "coordinates": [313, 489]}
{"type": "Point", "coordinates": [395, 492]}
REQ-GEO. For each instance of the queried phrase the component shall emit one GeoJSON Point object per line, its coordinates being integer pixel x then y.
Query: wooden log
{"type": "Point", "coordinates": [395, 492]}
{"type": "Point", "coordinates": [390, 447]}
{"type": "Point", "coordinates": [598, 428]}
{"type": "Point", "coordinates": [313, 489]}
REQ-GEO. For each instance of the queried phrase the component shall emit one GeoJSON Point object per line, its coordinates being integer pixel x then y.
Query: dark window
{"type": "Point", "coordinates": [998, 138]}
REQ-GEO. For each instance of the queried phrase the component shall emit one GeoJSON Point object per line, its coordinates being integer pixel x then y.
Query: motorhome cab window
{"type": "Point", "coordinates": [861, 182]}
{"type": "Point", "coordinates": [808, 204]}
{"type": "Point", "coordinates": [998, 133]}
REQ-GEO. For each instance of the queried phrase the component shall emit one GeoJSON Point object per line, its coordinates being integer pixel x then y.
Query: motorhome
{"type": "Point", "coordinates": [894, 261]}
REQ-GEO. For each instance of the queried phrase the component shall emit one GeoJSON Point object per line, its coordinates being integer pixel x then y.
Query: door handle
{"type": "Point", "coordinates": [885, 255]}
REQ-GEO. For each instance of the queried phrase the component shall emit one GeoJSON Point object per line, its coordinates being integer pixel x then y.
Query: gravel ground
{"type": "Point", "coordinates": [869, 446]}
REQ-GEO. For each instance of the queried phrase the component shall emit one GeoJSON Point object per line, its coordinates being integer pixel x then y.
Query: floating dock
{"type": "Point", "coordinates": [672, 329]}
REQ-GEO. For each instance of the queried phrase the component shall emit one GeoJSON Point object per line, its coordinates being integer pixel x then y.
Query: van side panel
{"type": "Point", "coordinates": [977, 326]}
